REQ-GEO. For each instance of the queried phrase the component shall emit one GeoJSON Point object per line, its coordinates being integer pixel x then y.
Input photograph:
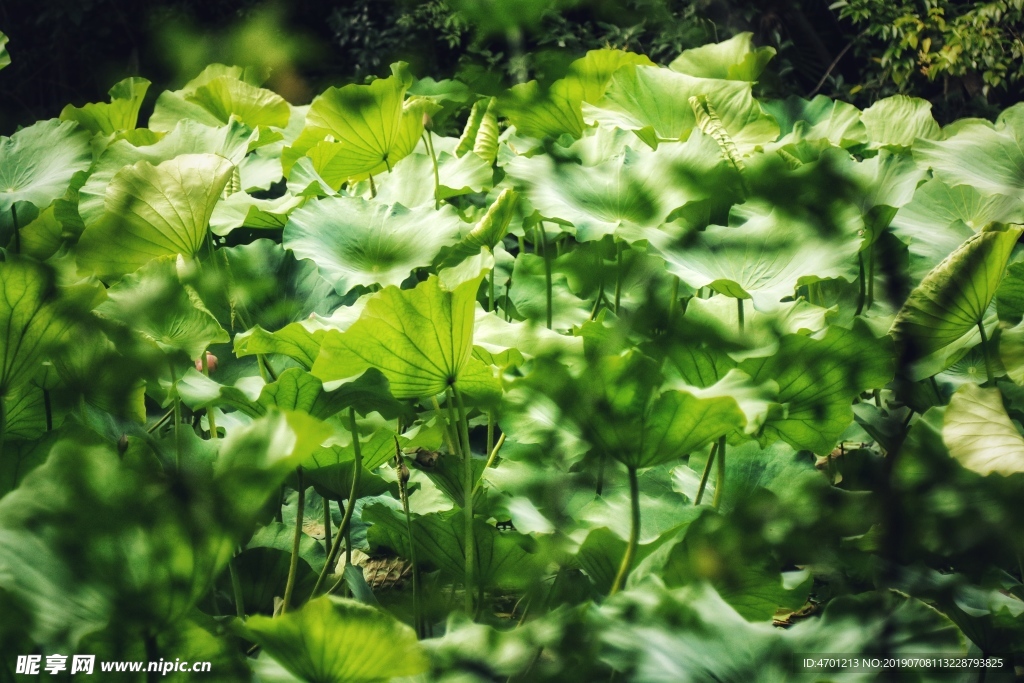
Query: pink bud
{"type": "Point", "coordinates": [211, 363]}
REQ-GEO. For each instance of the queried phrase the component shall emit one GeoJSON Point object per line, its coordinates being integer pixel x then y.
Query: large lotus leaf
{"type": "Point", "coordinates": [160, 551]}
{"type": "Point", "coordinates": [24, 411]}
{"type": "Point", "coordinates": [979, 434]}
{"type": "Point", "coordinates": [596, 200]}
{"type": "Point", "coordinates": [174, 106]}
{"type": "Point", "coordinates": [187, 137]}
{"type": "Point", "coordinates": [488, 231]}
{"type": "Point", "coordinates": [752, 585]}
{"type": "Point", "coordinates": [371, 127]}
{"type": "Point", "coordinates": [300, 340]}
{"type": "Point", "coordinates": [335, 640]}
{"type": "Point", "coordinates": [156, 305]}
{"type": "Point", "coordinates": [241, 210]}
{"type": "Point", "coordinates": [225, 97]}
{"type": "Point", "coordinates": [735, 59]}
{"type": "Point", "coordinates": [764, 259]}
{"type": "Point", "coordinates": [899, 120]}
{"type": "Point", "coordinates": [154, 211]}
{"type": "Point", "coordinates": [107, 118]}
{"type": "Point", "coordinates": [762, 327]}
{"type": "Point", "coordinates": [985, 156]}
{"type": "Point", "coordinates": [501, 561]}
{"type": "Point", "coordinates": [357, 242]}
{"type": "Point", "coordinates": [480, 135]}
{"type": "Point", "coordinates": [953, 297]}
{"type": "Point", "coordinates": [541, 113]}
{"type": "Point", "coordinates": [821, 118]}
{"type": "Point", "coordinates": [529, 295]}
{"type": "Point", "coordinates": [412, 181]}
{"type": "Point", "coordinates": [30, 321]}
{"type": "Point", "coordinates": [294, 389]}
{"type": "Point", "coordinates": [818, 380]}
{"type": "Point", "coordinates": [37, 163]}
{"type": "Point", "coordinates": [940, 218]}
{"type": "Point", "coordinates": [1010, 295]}
{"type": "Point", "coordinates": [655, 104]}
{"type": "Point", "coordinates": [260, 283]}
{"type": "Point", "coordinates": [421, 338]}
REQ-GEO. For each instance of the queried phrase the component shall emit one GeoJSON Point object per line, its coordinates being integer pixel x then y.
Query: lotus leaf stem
{"type": "Point", "coordinates": [634, 533]}
{"type": "Point", "coordinates": [293, 566]}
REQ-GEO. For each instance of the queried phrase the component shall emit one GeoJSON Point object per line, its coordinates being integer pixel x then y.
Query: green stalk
{"type": "Point", "coordinates": [618, 275]}
{"type": "Point", "coordinates": [447, 427]}
{"type": "Point", "coordinates": [490, 461]}
{"type": "Point", "coordinates": [373, 188]}
{"type": "Point", "coordinates": [490, 291]}
{"type": "Point", "coordinates": [403, 494]}
{"type": "Point", "coordinates": [861, 291]}
{"type": "Point", "coordinates": [984, 351]}
{"type": "Point", "coordinates": [293, 567]}
{"type": "Point", "coordinates": [600, 475]}
{"type": "Point", "coordinates": [705, 475]}
{"type": "Point", "coordinates": [177, 429]}
{"type": "Point", "coordinates": [236, 589]}
{"type": "Point", "coordinates": [739, 313]}
{"type": "Point", "coordinates": [720, 474]}
{"type": "Point", "coordinates": [346, 519]}
{"type": "Point", "coordinates": [547, 268]}
{"type": "Point", "coordinates": [437, 176]}
{"type": "Point", "coordinates": [597, 302]}
{"type": "Point", "coordinates": [490, 431]}
{"type": "Point", "coordinates": [634, 533]}
{"type": "Point", "coordinates": [508, 300]}
{"type": "Point", "coordinates": [467, 507]}
{"type": "Point", "coordinates": [210, 411]}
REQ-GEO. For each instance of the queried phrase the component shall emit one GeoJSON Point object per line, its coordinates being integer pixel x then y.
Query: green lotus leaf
{"type": "Point", "coordinates": [155, 304]}
{"type": "Point", "coordinates": [735, 59]}
{"type": "Point", "coordinates": [952, 299]}
{"type": "Point", "coordinates": [241, 210]}
{"type": "Point", "coordinates": [1010, 295]}
{"type": "Point", "coordinates": [549, 113]}
{"type": "Point", "coordinates": [335, 640]}
{"type": "Point", "coordinates": [107, 118]}
{"type": "Point", "coordinates": [501, 561]}
{"type": "Point", "coordinates": [985, 156]}
{"type": "Point", "coordinates": [818, 380]}
{"type": "Point", "coordinates": [820, 118]}
{"type": "Point", "coordinates": [899, 120]}
{"type": "Point", "coordinates": [940, 218]}
{"type": "Point", "coordinates": [174, 106]}
{"type": "Point", "coordinates": [186, 138]}
{"type": "Point", "coordinates": [412, 182]}
{"type": "Point", "coordinates": [5, 57]}
{"type": "Point", "coordinates": [979, 434]}
{"type": "Point", "coordinates": [225, 97]}
{"type": "Point", "coordinates": [38, 162]}
{"type": "Point", "coordinates": [355, 242]}
{"type": "Point", "coordinates": [30, 319]}
{"type": "Point", "coordinates": [294, 341]}
{"type": "Point", "coordinates": [24, 411]}
{"type": "Point", "coordinates": [620, 413]}
{"type": "Point", "coordinates": [529, 295]}
{"type": "Point", "coordinates": [371, 126]}
{"type": "Point", "coordinates": [764, 259]}
{"type": "Point", "coordinates": [480, 135]}
{"type": "Point", "coordinates": [626, 193]}
{"type": "Point", "coordinates": [44, 236]}
{"type": "Point", "coordinates": [753, 586]}
{"type": "Point", "coordinates": [654, 103]}
{"type": "Point", "coordinates": [154, 211]}
{"type": "Point", "coordinates": [294, 390]}
{"type": "Point", "coordinates": [421, 338]}
{"type": "Point", "coordinates": [762, 326]}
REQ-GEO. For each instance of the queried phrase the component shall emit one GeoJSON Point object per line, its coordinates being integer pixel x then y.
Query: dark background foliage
{"type": "Point", "coordinates": [965, 57]}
